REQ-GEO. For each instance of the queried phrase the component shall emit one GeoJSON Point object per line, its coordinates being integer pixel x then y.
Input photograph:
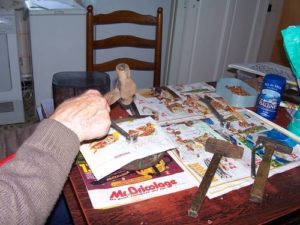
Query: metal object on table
{"type": "Point", "coordinates": [220, 148]}
{"type": "Point", "coordinates": [253, 159]}
{"type": "Point", "coordinates": [207, 100]}
{"type": "Point", "coordinates": [146, 162]}
{"type": "Point", "coordinates": [270, 145]}
{"type": "Point", "coordinates": [142, 163]}
{"type": "Point", "coordinates": [129, 137]}
{"type": "Point", "coordinates": [132, 108]}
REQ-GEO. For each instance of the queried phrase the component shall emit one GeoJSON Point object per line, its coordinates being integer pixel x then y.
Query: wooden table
{"type": "Point", "coordinates": [281, 203]}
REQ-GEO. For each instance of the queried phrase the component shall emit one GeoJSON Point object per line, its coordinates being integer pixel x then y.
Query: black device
{"type": "Point", "coordinates": [291, 95]}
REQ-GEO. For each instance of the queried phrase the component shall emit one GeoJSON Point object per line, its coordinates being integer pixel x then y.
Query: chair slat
{"type": "Point", "coordinates": [134, 64]}
{"type": "Point", "coordinates": [124, 16]}
{"type": "Point", "coordinates": [124, 41]}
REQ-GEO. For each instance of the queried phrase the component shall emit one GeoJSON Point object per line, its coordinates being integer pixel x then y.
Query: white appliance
{"type": "Point", "coordinates": [57, 33]}
{"type": "Point", "coordinates": [11, 100]}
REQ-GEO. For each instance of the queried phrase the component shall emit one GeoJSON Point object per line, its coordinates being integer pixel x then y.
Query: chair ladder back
{"type": "Point", "coordinates": [157, 58]}
{"type": "Point", "coordinates": [89, 39]}
{"type": "Point", "coordinates": [124, 16]}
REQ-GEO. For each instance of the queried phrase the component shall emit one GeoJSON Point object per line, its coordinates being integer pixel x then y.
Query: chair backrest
{"type": "Point", "coordinates": [124, 16]}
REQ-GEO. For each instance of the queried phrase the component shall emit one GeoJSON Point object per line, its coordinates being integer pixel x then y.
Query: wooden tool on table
{"type": "Point", "coordinates": [270, 145]}
{"type": "Point", "coordinates": [220, 148]}
{"type": "Point", "coordinates": [125, 87]}
{"type": "Point", "coordinates": [123, 92]}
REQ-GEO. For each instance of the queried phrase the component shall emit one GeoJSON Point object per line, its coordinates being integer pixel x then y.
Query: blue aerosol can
{"type": "Point", "coordinates": [270, 95]}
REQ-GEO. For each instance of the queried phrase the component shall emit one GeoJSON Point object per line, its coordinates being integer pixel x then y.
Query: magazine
{"type": "Point", "coordinates": [246, 135]}
{"type": "Point", "coordinates": [191, 137]}
{"type": "Point", "coordinates": [184, 123]}
{"type": "Point", "coordinates": [100, 154]}
{"type": "Point", "coordinates": [125, 187]}
{"type": "Point", "coordinates": [173, 104]}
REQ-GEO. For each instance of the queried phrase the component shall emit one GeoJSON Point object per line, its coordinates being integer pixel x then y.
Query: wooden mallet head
{"type": "Point", "coordinates": [224, 148]}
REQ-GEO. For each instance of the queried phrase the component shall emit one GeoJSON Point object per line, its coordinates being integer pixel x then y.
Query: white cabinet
{"type": "Point", "coordinates": [210, 34]}
{"type": "Point", "coordinates": [11, 100]}
{"type": "Point", "coordinates": [57, 43]}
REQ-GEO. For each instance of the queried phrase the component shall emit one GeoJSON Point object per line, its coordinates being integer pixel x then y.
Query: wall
{"type": "Point", "coordinates": [270, 29]}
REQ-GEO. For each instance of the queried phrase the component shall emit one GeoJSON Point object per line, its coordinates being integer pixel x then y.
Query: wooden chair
{"type": "Point", "coordinates": [124, 16]}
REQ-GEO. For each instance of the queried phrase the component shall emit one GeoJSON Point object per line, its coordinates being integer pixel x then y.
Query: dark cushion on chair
{"type": "Point", "coordinates": [69, 84]}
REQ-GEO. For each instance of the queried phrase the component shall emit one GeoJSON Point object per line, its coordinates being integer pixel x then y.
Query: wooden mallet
{"type": "Point", "coordinates": [270, 145]}
{"type": "Point", "coordinates": [220, 148]}
{"type": "Point", "coordinates": [125, 87]}
{"type": "Point", "coordinates": [123, 92]}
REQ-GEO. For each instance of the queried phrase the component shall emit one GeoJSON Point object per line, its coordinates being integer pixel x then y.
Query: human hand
{"type": "Point", "coordinates": [86, 115]}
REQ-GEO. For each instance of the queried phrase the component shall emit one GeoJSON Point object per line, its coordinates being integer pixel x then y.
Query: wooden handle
{"type": "Point", "coordinates": [203, 188]}
{"type": "Point", "coordinates": [112, 96]}
{"type": "Point", "coordinates": [125, 87]}
{"type": "Point", "coordinates": [258, 187]}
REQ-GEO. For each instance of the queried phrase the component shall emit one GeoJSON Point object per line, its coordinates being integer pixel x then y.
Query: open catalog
{"type": "Point", "coordinates": [181, 127]}
{"type": "Point", "coordinates": [232, 173]}
{"type": "Point", "coordinates": [128, 186]}
{"type": "Point", "coordinates": [189, 122]}
{"type": "Point", "coordinates": [112, 152]}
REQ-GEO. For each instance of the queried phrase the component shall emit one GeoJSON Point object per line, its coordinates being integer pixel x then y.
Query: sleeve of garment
{"type": "Point", "coordinates": [31, 183]}
{"type": "Point", "coordinates": [11, 140]}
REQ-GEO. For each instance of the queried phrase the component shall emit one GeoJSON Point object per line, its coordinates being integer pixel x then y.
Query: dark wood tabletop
{"type": "Point", "coordinates": [281, 204]}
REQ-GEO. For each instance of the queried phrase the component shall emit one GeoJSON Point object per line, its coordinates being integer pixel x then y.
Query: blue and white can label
{"type": "Point", "coordinates": [270, 96]}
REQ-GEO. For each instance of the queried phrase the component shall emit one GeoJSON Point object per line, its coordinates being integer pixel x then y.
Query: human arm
{"type": "Point", "coordinates": [31, 183]}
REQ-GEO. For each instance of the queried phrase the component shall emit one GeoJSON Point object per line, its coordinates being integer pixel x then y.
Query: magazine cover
{"type": "Point", "coordinates": [174, 103]}
{"type": "Point", "coordinates": [280, 161]}
{"type": "Point", "coordinates": [231, 174]}
{"type": "Point", "coordinates": [246, 134]}
{"type": "Point", "coordinates": [190, 137]}
{"type": "Point", "coordinates": [125, 186]}
{"type": "Point", "coordinates": [112, 152]}
{"type": "Point", "coordinates": [183, 122]}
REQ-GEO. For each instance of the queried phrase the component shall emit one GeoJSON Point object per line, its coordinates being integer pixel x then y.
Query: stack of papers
{"type": "Point", "coordinates": [264, 68]}
{"type": "Point", "coordinates": [113, 151]}
{"type": "Point", "coordinates": [181, 127]}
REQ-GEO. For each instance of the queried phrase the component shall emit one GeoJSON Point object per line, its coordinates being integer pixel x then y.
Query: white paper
{"type": "Point", "coordinates": [114, 152]}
